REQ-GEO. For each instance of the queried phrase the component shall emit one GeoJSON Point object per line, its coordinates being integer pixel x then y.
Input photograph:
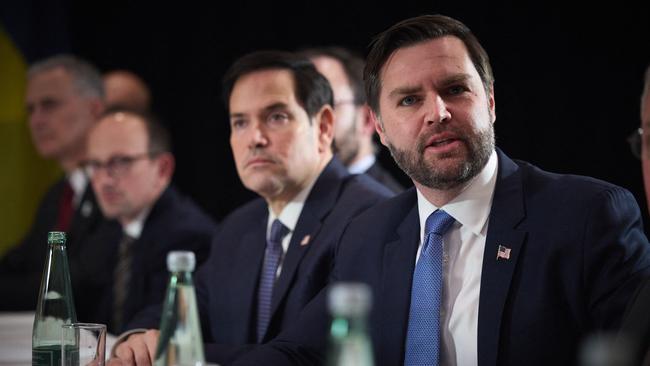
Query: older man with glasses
{"type": "Point", "coordinates": [130, 167]}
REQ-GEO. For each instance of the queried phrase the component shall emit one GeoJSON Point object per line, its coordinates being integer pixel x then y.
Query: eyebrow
{"type": "Point", "coordinates": [269, 108]}
{"type": "Point", "coordinates": [405, 90]}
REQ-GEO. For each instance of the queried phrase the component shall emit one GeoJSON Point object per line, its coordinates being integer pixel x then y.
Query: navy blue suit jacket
{"type": "Point", "coordinates": [578, 251]}
{"type": "Point", "coordinates": [174, 223]}
{"type": "Point", "coordinates": [21, 268]}
{"type": "Point", "coordinates": [227, 283]}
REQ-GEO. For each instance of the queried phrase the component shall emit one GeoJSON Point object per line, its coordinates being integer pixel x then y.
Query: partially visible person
{"type": "Point", "coordinates": [127, 90]}
{"type": "Point", "coordinates": [488, 260]}
{"type": "Point", "coordinates": [353, 128]}
{"type": "Point", "coordinates": [64, 98]}
{"type": "Point", "coordinates": [636, 324]}
{"type": "Point", "coordinates": [130, 166]}
{"type": "Point", "coordinates": [274, 254]}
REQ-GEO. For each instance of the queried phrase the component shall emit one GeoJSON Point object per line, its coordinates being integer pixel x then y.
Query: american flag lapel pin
{"type": "Point", "coordinates": [305, 240]}
{"type": "Point", "coordinates": [503, 252]}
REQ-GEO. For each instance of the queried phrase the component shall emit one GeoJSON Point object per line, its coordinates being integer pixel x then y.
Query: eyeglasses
{"type": "Point", "coordinates": [635, 142]}
{"type": "Point", "coordinates": [116, 166]}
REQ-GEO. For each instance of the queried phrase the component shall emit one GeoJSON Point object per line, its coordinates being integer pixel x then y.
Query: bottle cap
{"type": "Point", "coordinates": [56, 237]}
{"type": "Point", "coordinates": [349, 298]}
{"type": "Point", "coordinates": [180, 260]}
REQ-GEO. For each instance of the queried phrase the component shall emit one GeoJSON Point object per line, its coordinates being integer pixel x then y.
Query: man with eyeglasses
{"type": "Point", "coordinates": [636, 324]}
{"type": "Point", "coordinates": [64, 98]}
{"type": "Point", "coordinates": [130, 167]}
{"type": "Point", "coordinates": [353, 129]}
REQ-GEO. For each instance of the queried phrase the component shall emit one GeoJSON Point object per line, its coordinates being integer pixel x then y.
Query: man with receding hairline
{"type": "Point", "coordinates": [64, 98]}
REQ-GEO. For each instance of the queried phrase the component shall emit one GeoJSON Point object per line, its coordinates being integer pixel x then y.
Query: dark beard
{"type": "Point", "coordinates": [479, 149]}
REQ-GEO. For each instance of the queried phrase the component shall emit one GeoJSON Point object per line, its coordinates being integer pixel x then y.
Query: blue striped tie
{"type": "Point", "coordinates": [423, 337]}
{"type": "Point", "coordinates": [272, 257]}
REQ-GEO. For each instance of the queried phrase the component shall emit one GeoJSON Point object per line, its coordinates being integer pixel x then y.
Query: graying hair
{"type": "Point", "coordinates": [86, 78]}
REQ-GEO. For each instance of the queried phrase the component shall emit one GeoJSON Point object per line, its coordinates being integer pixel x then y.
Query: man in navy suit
{"type": "Point", "coordinates": [517, 264]}
{"type": "Point", "coordinates": [281, 121]}
{"type": "Point", "coordinates": [130, 167]}
{"type": "Point", "coordinates": [64, 98]}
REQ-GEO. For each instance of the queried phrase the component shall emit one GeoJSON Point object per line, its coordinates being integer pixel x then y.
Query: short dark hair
{"type": "Point", "coordinates": [85, 76]}
{"type": "Point", "coordinates": [352, 64]}
{"type": "Point", "coordinates": [416, 30]}
{"type": "Point", "coordinates": [159, 140]}
{"type": "Point", "coordinates": [312, 90]}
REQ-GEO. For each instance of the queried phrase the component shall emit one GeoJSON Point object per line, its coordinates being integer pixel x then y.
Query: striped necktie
{"type": "Point", "coordinates": [272, 257]}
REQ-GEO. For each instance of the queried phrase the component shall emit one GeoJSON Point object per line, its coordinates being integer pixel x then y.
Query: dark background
{"type": "Point", "coordinates": [568, 76]}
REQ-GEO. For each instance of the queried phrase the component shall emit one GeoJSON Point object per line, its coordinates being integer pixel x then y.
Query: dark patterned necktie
{"type": "Point", "coordinates": [66, 208]}
{"type": "Point", "coordinates": [423, 336]}
{"type": "Point", "coordinates": [272, 257]}
{"type": "Point", "coordinates": [121, 279]}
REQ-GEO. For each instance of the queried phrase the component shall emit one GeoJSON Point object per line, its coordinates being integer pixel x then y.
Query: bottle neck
{"type": "Point", "coordinates": [344, 326]}
{"type": "Point", "coordinates": [181, 278]}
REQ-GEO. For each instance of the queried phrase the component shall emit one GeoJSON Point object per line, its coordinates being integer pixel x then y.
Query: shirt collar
{"type": "Point", "coordinates": [362, 165]}
{"type": "Point", "coordinates": [134, 228]}
{"type": "Point", "coordinates": [471, 208]}
{"type": "Point", "coordinates": [79, 182]}
{"type": "Point", "coordinates": [291, 212]}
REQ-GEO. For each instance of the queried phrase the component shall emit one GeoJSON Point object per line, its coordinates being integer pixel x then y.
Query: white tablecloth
{"type": "Point", "coordinates": [16, 339]}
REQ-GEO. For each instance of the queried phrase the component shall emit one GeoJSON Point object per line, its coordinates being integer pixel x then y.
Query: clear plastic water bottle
{"type": "Point", "coordinates": [350, 345]}
{"type": "Point", "coordinates": [180, 342]}
{"type": "Point", "coordinates": [55, 303]}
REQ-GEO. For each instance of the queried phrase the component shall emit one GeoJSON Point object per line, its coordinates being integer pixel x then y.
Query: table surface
{"type": "Point", "coordinates": [16, 339]}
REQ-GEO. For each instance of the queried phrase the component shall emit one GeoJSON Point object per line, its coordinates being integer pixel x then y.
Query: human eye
{"type": "Point", "coordinates": [457, 89]}
{"type": "Point", "coordinates": [238, 123]}
{"type": "Point", "coordinates": [119, 162]}
{"type": "Point", "coordinates": [277, 118]}
{"type": "Point", "coordinates": [408, 100]}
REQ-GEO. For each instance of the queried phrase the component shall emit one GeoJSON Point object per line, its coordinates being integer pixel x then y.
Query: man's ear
{"type": "Point", "coordinates": [379, 126]}
{"type": "Point", "coordinates": [366, 123]}
{"type": "Point", "coordinates": [325, 123]}
{"type": "Point", "coordinates": [166, 165]}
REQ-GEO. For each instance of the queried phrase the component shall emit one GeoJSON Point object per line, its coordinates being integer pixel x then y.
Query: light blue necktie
{"type": "Point", "coordinates": [423, 337]}
{"type": "Point", "coordinates": [272, 257]}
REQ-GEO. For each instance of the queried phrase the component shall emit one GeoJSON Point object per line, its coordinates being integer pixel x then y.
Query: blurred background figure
{"type": "Point", "coordinates": [127, 90]}
{"type": "Point", "coordinates": [64, 98]}
{"type": "Point", "coordinates": [636, 324]}
{"type": "Point", "coordinates": [353, 130]}
{"type": "Point", "coordinates": [130, 166]}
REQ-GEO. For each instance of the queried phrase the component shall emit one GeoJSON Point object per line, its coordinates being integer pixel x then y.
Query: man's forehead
{"type": "Point", "coordinates": [262, 90]}
{"type": "Point", "coordinates": [441, 56]}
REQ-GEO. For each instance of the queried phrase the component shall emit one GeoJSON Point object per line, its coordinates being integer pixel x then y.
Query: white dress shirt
{"type": "Point", "coordinates": [289, 218]}
{"type": "Point", "coordinates": [463, 247]}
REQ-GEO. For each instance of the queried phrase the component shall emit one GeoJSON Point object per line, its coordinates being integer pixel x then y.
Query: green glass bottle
{"type": "Point", "coordinates": [180, 342]}
{"type": "Point", "coordinates": [349, 345]}
{"type": "Point", "coordinates": [55, 303]}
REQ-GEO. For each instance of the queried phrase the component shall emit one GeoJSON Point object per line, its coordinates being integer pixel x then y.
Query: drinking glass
{"type": "Point", "coordinates": [83, 344]}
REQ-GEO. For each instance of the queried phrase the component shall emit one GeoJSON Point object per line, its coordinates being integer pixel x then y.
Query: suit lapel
{"type": "Point", "coordinates": [319, 203]}
{"type": "Point", "coordinates": [397, 276]}
{"type": "Point", "coordinates": [497, 273]}
{"type": "Point", "coordinates": [242, 289]}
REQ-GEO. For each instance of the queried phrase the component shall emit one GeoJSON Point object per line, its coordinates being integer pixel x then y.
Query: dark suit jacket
{"type": "Point", "coordinates": [578, 251]}
{"type": "Point", "coordinates": [227, 283]}
{"type": "Point", "coordinates": [636, 325]}
{"type": "Point", "coordinates": [382, 176]}
{"type": "Point", "coordinates": [174, 223]}
{"type": "Point", "coordinates": [22, 267]}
